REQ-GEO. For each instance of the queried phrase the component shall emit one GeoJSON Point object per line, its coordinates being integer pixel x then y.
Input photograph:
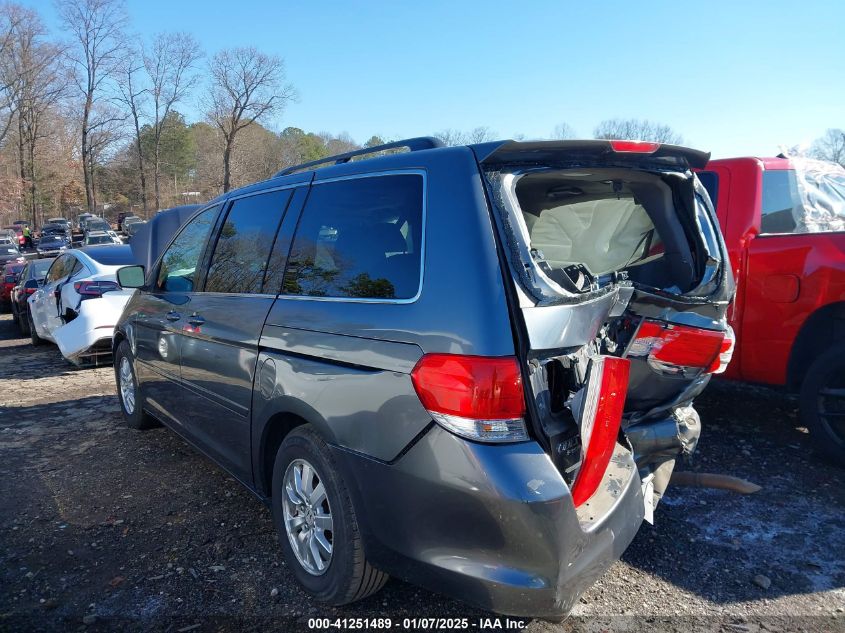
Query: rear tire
{"type": "Point", "coordinates": [822, 403]}
{"type": "Point", "coordinates": [33, 333]}
{"type": "Point", "coordinates": [23, 323]}
{"type": "Point", "coordinates": [129, 391]}
{"type": "Point", "coordinates": [346, 576]}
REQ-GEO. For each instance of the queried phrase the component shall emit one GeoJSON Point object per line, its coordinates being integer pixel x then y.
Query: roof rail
{"type": "Point", "coordinates": [413, 144]}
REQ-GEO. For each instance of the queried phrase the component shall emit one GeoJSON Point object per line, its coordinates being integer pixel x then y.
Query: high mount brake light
{"type": "Point", "coordinates": [604, 402]}
{"type": "Point", "coordinates": [634, 147]}
{"type": "Point", "coordinates": [672, 348]}
{"type": "Point", "coordinates": [91, 289]}
{"type": "Point", "coordinates": [477, 397]}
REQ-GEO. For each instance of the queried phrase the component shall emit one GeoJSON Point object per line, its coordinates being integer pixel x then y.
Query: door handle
{"type": "Point", "coordinates": [173, 316]}
{"type": "Point", "coordinates": [196, 320]}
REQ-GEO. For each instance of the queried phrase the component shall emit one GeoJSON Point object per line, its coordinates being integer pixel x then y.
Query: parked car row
{"type": "Point", "coordinates": [72, 300]}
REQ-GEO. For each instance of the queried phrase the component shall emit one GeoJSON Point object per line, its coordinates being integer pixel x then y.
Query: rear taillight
{"type": "Point", "coordinates": [477, 397]}
{"type": "Point", "coordinates": [604, 401]}
{"type": "Point", "coordinates": [673, 348]}
{"type": "Point", "coordinates": [635, 147]}
{"type": "Point", "coordinates": [91, 289]}
{"type": "Point", "coordinates": [29, 291]}
{"type": "Point", "coordinates": [725, 353]}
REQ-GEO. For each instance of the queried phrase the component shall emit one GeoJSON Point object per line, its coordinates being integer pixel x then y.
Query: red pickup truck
{"type": "Point", "coordinates": [784, 225]}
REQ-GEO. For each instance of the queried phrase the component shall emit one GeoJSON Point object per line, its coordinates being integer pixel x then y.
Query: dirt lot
{"type": "Point", "coordinates": [103, 528]}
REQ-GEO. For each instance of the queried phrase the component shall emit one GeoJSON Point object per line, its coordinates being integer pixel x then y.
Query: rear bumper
{"type": "Point", "coordinates": [90, 333]}
{"type": "Point", "coordinates": [492, 525]}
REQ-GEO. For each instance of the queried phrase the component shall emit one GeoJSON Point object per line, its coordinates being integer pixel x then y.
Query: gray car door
{"type": "Point", "coordinates": [222, 324]}
{"type": "Point", "coordinates": [159, 315]}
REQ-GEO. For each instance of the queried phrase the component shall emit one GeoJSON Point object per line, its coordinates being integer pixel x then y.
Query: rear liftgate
{"type": "Point", "coordinates": [619, 295]}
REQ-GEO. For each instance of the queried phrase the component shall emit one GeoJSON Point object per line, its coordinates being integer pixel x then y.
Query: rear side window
{"type": "Point", "coordinates": [246, 239]}
{"type": "Point", "coordinates": [179, 262]}
{"type": "Point", "coordinates": [359, 238]}
{"type": "Point", "coordinates": [781, 201]}
{"type": "Point", "coordinates": [59, 268]}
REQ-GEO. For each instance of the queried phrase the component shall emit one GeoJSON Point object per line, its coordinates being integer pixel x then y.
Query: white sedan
{"type": "Point", "coordinates": [80, 301]}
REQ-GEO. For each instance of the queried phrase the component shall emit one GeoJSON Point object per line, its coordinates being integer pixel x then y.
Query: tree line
{"type": "Point", "coordinates": [91, 118]}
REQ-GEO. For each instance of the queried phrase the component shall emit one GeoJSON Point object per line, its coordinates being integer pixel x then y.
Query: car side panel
{"type": "Point", "coordinates": [789, 278]}
{"type": "Point", "coordinates": [346, 363]}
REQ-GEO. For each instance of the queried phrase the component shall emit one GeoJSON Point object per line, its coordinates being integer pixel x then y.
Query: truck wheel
{"type": "Point", "coordinates": [33, 334]}
{"type": "Point", "coordinates": [129, 391]}
{"type": "Point", "coordinates": [822, 403]}
{"type": "Point", "coordinates": [316, 522]}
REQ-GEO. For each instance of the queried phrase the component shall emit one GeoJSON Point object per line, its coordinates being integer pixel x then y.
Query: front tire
{"type": "Point", "coordinates": [822, 403]}
{"type": "Point", "coordinates": [317, 524]}
{"type": "Point", "coordinates": [129, 391]}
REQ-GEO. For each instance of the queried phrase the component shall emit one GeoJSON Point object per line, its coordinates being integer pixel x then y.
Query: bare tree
{"type": "Point", "coordinates": [247, 86]}
{"type": "Point", "coordinates": [452, 137]}
{"type": "Point", "coordinates": [132, 95]}
{"type": "Point", "coordinates": [563, 131]}
{"type": "Point", "coordinates": [636, 129]}
{"type": "Point", "coordinates": [11, 16]}
{"type": "Point", "coordinates": [830, 147]}
{"type": "Point", "coordinates": [41, 86]}
{"type": "Point", "coordinates": [97, 28]}
{"type": "Point", "coordinates": [170, 65]}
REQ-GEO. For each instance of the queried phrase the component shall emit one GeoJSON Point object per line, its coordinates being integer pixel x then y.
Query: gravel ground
{"type": "Point", "coordinates": [105, 528]}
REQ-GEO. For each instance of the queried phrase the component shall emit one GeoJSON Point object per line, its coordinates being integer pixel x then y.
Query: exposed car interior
{"type": "Point", "coordinates": [607, 220]}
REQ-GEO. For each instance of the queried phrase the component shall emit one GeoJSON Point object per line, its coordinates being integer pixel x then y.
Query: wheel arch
{"type": "Point", "coordinates": [824, 326]}
{"type": "Point", "coordinates": [288, 414]}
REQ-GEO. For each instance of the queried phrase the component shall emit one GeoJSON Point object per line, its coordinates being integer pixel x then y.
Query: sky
{"type": "Point", "coordinates": [734, 78]}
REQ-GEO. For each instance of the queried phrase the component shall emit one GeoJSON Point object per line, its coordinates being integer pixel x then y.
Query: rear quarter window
{"type": "Point", "coordinates": [781, 202]}
{"type": "Point", "coordinates": [359, 238]}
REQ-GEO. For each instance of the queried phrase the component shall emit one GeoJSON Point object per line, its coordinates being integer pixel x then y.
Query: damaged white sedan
{"type": "Point", "coordinates": [80, 301]}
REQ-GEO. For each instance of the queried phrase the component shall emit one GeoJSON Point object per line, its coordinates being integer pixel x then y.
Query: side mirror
{"type": "Point", "coordinates": [31, 284]}
{"type": "Point", "coordinates": [130, 276]}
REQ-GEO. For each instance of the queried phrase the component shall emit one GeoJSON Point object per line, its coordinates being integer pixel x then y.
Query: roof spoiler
{"type": "Point", "coordinates": [546, 152]}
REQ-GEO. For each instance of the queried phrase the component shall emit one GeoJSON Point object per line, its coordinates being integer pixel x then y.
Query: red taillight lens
{"type": "Point", "coordinates": [668, 346]}
{"type": "Point", "coordinates": [29, 291]}
{"type": "Point", "coordinates": [89, 289]}
{"type": "Point", "coordinates": [477, 387]}
{"type": "Point", "coordinates": [607, 387]}
{"type": "Point", "coordinates": [478, 397]}
{"type": "Point", "coordinates": [636, 147]}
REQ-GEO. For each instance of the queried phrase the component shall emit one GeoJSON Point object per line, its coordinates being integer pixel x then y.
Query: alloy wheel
{"type": "Point", "coordinates": [308, 517]}
{"type": "Point", "coordinates": [127, 386]}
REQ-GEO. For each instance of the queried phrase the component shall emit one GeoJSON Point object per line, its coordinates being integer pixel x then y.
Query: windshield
{"type": "Point", "coordinates": [8, 250]}
{"type": "Point", "coordinates": [99, 239]}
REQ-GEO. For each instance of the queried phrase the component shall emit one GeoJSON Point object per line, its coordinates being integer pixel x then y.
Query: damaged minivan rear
{"type": "Point", "coordinates": [472, 368]}
{"type": "Point", "coordinates": [615, 256]}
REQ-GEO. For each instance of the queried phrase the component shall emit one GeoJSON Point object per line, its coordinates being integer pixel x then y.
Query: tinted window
{"type": "Point", "coordinates": [179, 262]}
{"type": "Point", "coordinates": [57, 270]}
{"type": "Point", "coordinates": [39, 267]}
{"type": "Point", "coordinates": [77, 266]}
{"type": "Point", "coordinates": [781, 201]}
{"type": "Point", "coordinates": [710, 180]}
{"type": "Point", "coordinates": [244, 244]}
{"type": "Point", "coordinates": [359, 238]}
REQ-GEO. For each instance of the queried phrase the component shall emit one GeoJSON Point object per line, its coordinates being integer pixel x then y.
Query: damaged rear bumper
{"type": "Point", "coordinates": [90, 333]}
{"type": "Point", "coordinates": [492, 524]}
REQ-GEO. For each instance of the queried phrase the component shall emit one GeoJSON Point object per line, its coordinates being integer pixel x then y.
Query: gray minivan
{"type": "Point", "coordinates": [468, 367]}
